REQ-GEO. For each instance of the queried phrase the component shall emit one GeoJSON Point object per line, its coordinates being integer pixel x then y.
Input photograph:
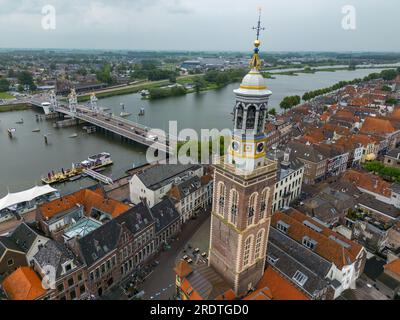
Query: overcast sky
{"type": "Point", "coordinates": [292, 25]}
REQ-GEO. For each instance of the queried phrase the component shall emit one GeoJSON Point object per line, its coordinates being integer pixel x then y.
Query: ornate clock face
{"type": "Point", "coordinates": [235, 146]}
{"type": "Point", "coordinates": [260, 147]}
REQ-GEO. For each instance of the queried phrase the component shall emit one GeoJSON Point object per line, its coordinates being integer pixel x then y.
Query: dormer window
{"type": "Point", "coordinates": [282, 226]}
{"type": "Point", "coordinates": [300, 278]}
{"type": "Point", "coordinates": [309, 243]}
{"type": "Point", "coordinates": [272, 260]}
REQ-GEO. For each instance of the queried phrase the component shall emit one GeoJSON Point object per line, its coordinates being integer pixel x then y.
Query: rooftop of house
{"type": "Point", "coordinates": [24, 236]}
{"type": "Point", "coordinates": [395, 153]}
{"type": "Point", "coordinates": [82, 227]}
{"type": "Point", "coordinates": [368, 181]}
{"type": "Point", "coordinates": [7, 243]}
{"type": "Point", "coordinates": [88, 198]}
{"type": "Point", "coordinates": [393, 266]}
{"type": "Point", "coordinates": [306, 152]}
{"type": "Point", "coordinates": [201, 282]}
{"type": "Point", "coordinates": [290, 257]}
{"type": "Point", "coordinates": [103, 240]}
{"type": "Point", "coordinates": [55, 254]}
{"type": "Point", "coordinates": [379, 206]}
{"type": "Point", "coordinates": [285, 169]}
{"type": "Point", "coordinates": [377, 126]}
{"type": "Point", "coordinates": [164, 214]}
{"type": "Point", "coordinates": [160, 175]}
{"type": "Point", "coordinates": [23, 284]}
{"type": "Point", "coordinates": [328, 244]}
{"type": "Point", "coordinates": [279, 287]}
{"type": "Point", "coordinates": [185, 188]}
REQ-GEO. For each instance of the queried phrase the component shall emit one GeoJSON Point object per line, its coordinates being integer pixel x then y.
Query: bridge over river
{"type": "Point", "coordinates": [96, 116]}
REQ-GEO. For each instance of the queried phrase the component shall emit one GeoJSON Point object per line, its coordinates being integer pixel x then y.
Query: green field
{"type": "Point", "coordinates": [5, 95]}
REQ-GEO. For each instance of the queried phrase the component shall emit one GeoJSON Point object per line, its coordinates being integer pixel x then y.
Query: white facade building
{"type": "Point", "coordinates": [154, 183]}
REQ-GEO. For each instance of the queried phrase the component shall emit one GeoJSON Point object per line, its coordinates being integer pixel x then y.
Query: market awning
{"type": "Point", "coordinates": [12, 199]}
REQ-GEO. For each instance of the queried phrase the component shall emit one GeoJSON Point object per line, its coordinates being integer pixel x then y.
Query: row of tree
{"type": "Point", "coordinates": [387, 173]}
{"type": "Point", "coordinates": [289, 102]}
{"type": "Point", "coordinates": [159, 93]}
{"type": "Point", "coordinates": [387, 75]}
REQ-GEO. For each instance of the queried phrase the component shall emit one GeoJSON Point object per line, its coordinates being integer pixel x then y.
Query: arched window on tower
{"type": "Point", "coordinates": [261, 120]}
{"type": "Point", "coordinates": [264, 203]}
{"type": "Point", "coordinates": [239, 117]}
{"type": "Point", "coordinates": [234, 206]}
{"type": "Point", "coordinates": [252, 209]}
{"type": "Point", "coordinates": [259, 242]}
{"type": "Point", "coordinates": [250, 118]}
{"type": "Point", "coordinates": [221, 198]}
{"type": "Point", "coordinates": [247, 250]}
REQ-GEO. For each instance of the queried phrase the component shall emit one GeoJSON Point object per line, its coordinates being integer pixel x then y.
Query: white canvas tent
{"type": "Point", "coordinates": [13, 199]}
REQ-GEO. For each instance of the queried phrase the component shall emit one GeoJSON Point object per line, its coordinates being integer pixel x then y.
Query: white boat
{"type": "Point", "coordinates": [36, 130]}
{"type": "Point", "coordinates": [96, 161]}
{"type": "Point", "coordinates": [73, 135]}
{"type": "Point", "coordinates": [125, 114]}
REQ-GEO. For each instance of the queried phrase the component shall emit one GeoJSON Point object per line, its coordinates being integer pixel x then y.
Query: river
{"type": "Point", "coordinates": [25, 158]}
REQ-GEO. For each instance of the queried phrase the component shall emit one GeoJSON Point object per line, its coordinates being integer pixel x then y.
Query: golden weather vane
{"type": "Point", "coordinates": [255, 61]}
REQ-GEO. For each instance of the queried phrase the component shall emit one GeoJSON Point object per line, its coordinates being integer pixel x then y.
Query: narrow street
{"type": "Point", "coordinates": [161, 284]}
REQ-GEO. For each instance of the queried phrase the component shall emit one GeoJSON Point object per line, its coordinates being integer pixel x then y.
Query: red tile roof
{"type": "Point", "coordinates": [394, 266]}
{"type": "Point", "coordinates": [279, 287]}
{"type": "Point", "coordinates": [89, 199]}
{"type": "Point", "coordinates": [326, 247]}
{"type": "Point", "coordinates": [377, 126]}
{"type": "Point", "coordinates": [368, 181]}
{"type": "Point", "coordinates": [23, 284]}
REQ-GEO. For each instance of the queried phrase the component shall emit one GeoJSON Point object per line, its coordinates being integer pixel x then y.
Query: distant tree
{"type": "Point", "coordinates": [4, 85]}
{"type": "Point", "coordinates": [290, 102]}
{"type": "Point", "coordinates": [104, 75]}
{"type": "Point", "coordinates": [172, 78]}
{"type": "Point", "coordinates": [272, 112]}
{"type": "Point", "coordinates": [391, 101]}
{"type": "Point", "coordinates": [25, 78]}
{"type": "Point", "coordinates": [82, 71]}
{"type": "Point", "coordinates": [386, 88]}
{"type": "Point", "coordinates": [199, 83]}
{"type": "Point", "coordinates": [388, 75]}
{"type": "Point", "coordinates": [11, 73]}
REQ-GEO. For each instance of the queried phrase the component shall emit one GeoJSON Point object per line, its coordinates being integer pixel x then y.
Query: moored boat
{"type": "Point", "coordinates": [78, 169]}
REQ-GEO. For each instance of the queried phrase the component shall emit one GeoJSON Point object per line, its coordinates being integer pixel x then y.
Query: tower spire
{"type": "Point", "coordinates": [255, 61]}
{"type": "Point", "coordinates": [259, 28]}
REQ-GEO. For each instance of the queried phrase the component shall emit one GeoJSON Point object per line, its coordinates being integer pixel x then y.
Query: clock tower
{"type": "Point", "coordinates": [243, 187]}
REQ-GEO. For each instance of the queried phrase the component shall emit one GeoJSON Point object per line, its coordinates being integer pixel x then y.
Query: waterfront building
{"type": "Point", "coordinates": [19, 203]}
{"type": "Point", "coordinates": [153, 184]}
{"type": "Point", "coordinates": [56, 216]}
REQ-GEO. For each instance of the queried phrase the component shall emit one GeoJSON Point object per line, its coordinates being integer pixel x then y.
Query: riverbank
{"type": "Point", "coordinates": [14, 107]}
{"type": "Point", "coordinates": [107, 93]}
{"type": "Point", "coordinates": [296, 73]}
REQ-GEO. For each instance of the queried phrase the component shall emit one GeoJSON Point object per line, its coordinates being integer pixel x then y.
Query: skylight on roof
{"type": "Point", "coordinates": [300, 278]}
{"type": "Point", "coordinates": [312, 226]}
{"type": "Point", "coordinates": [341, 242]}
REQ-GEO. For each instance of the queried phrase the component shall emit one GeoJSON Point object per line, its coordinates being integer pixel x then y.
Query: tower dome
{"type": "Point", "coordinates": [253, 84]}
